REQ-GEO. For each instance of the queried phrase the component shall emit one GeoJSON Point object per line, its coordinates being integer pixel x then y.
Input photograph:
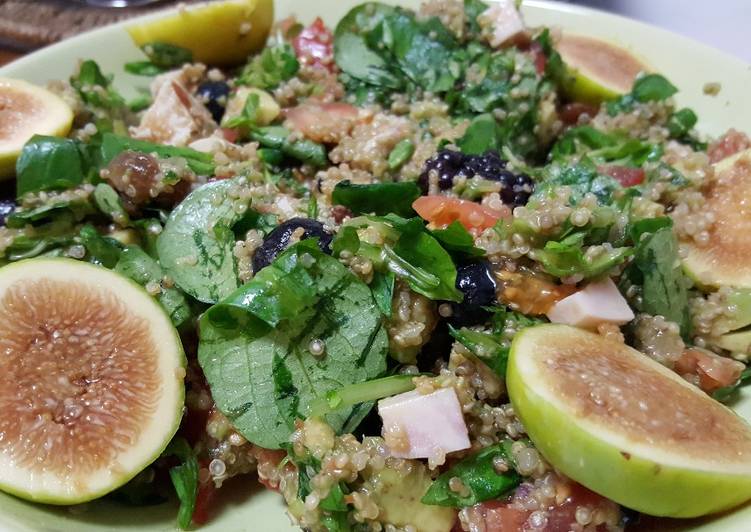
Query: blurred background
{"type": "Point", "coordinates": [26, 25]}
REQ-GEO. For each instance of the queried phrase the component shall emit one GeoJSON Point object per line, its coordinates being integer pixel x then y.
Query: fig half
{"type": "Point", "coordinates": [91, 380]}
{"type": "Point", "coordinates": [625, 426]}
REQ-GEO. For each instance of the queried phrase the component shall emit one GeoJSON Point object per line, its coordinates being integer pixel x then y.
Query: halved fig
{"type": "Point", "coordinates": [625, 426]}
{"type": "Point", "coordinates": [91, 380]}
{"type": "Point", "coordinates": [723, 260]}
{"type": "Point", "coordinates": [27, 110]}
{"type": "Point", "coordinates": [596, 70]}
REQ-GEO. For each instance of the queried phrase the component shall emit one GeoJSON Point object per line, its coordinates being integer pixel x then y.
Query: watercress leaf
{"type": "Point", "coordinates": [135, 264]}
{"type": "Point", "coordinates": [665, 291]}
{"type": "Point", "coordinates": [382, 287]}
{"type": "Point", "coordinates": [401, 153]}
{"type": "Point", "coordinates": [481, 135]}
{"type": "Point", "coordinates": [165, 55]}
{"type": "Point", "coordinates": [456, 239]}
{"type": "Point", "coordinates": [478, 474]}
{"type": "Point", "coordinates": [49, 163]}
{"type": "Point", "coordinates": [484, 346]}
{"type": "Point", "coordinates": [185, 479]}
{"type": "Point", "coordinates": [271, 67]}
{"type": "Point", "coordinates": [195, 247]}
{"type": "Point", "coordinates": [101, 250]}
{"type": "Point", "coordinates": [112, 145]}
{"type": "Point", "coordinates": [377, 198]}
{"type": "Point", "coordinates": [143, 68]}
{"type": "Point", "coordinates": [108, 201]}
{"type": "Point", "coordinates": [264, 378]}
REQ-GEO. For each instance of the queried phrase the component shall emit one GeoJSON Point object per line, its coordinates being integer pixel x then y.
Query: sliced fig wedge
{"type": "Point", "coordinates": [91, 380]}
{"type": "Point", "coordinates": [626, 427]}
{"type": "Point", "coordinates": [26, 110]}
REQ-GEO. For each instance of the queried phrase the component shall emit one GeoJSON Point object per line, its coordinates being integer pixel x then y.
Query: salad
{"type": "Point", "coordinates": [424, 270]}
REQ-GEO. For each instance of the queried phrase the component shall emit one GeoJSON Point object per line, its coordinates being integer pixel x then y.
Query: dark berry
{"type": "Point", "coordinates": [447, 163]}
{"type": "Point", "coordinates": [279, 239]}
{"type": "Point", "coordinates": [476, 282]}
{"type": "Point", "coordinates": [516, 187]}
{"type": "Point", "coordinates": [7, 207]}
{"type": "Point", "coordinates": [214, 96]}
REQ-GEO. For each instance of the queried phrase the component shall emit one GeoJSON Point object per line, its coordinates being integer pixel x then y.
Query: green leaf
{"type": "Point", "coordinates": [377, 198]}
{"type": "Point", "coordinates": [456, 239]}
{"type": "Point", "coordinates": [249, 115]}
{"type": "Point", "coordinates": [143, 68]}
{"type": "Point", "coordinates": [166, 56]}
{"type": "Point", "coordinates": [567, 257]}
{"type": "Point", "coordinates": [305, 151]}
{"type": "Point", "coordinates": [479, 476]}
{"type": "Point", "coordinates": [728, 394]}
{"type": "Point", "coordinates": [581, 178]}
{"type": "Point", "coordinates": [271, 67]}
{"type": "Point", "coordinates": [135, 264]}
{"type": "Point", "coordinates": [196, 246]}
{"type": "Point", "coordinates": [185, 479]}
{"type": "Point", "coordinates": [362, 392]}
{"type": "Point", "coordinates": [604, 148]}
{"type": "Point", "coordinates": [49, 163]}
{"type": "Point", "coordinates": [681, 123]}
{"type": "Point", "coordinates": [485, 346]}
{"type": "Point", "coordinates": [101, 250]}
{"type": "Point", "coordinates": [108, 201]}
{"type": "Point", "coordinates": [112, 145]}
{"type": "Point", "coordinates": [647, 88]}
{"type": "Point", "coordinates": [473, 9]}
{"type": "Point", "coordinates": [401, 153]}
{"type": "Point", "coordinates": [69, 210]}
{"type": "Point", "coordinates": [254, 345]}
{"type": "Point", "coordinates": [95, 88]}
{"type": "Point", "coordinates": [665, 291]}
{"type": "Point", "coordinates": [481, 135]}
{"type": "Point", "coordinates": [382, 287]}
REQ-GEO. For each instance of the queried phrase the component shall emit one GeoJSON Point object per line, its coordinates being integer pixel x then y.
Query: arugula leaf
{"type": "Point", "coordinates": [382, 287]}
{"type": "Point", "coordinates": [254, 345]}
{"type": "Point", "coordinates": [362, 392]}
{"type": "Point", "coordinates": [270, 68]}
{"type": "Point", "coordinates": [112, 145]}
{"type": "Point", "coordinates": [195, 248]}
{"type": "Point", "coordinates": [108, 201]}
{"type": "Point", "coordinates": [728, 394]}
{"type": "Point", "coordinates": [377, 198]}
{"type": "Point", "coordinates": [166, 56]}
{"type": "Point", "coordinates": [567, 257]}
{"type": "Point", "coordinates": [647, 88]}
{"type": "Point", "coordinates": [305, 151]}
{"type": "Point", "coordinates": [478, 474]}
{"type": "Point", "coordinates": [49, 163]}
{"type": "Point", "coordinates": [135, 264]}
{"type": "Point", "coordinates": [456, 239]}
{"type": "Point", "coordinates": [185, 479]}
{"type": "Point", "coordinates": [484, 346]}
{"type": "Point", "coordinates": [401, 153]}
{"type": "Point", "coordinates": [665, 291]}
{"type": "Point", "coordinates": [582, 178]}
{"type": "Point", "coordinates": [101, 250]}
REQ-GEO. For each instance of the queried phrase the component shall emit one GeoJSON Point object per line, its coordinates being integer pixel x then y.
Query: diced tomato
{"type": "Point", "coordinates": [441, 211]}
{"type": "Point", "coordinates": [563, 516]}
{"type": "Point", "coordinates": [729, 144]}
{"type": "Point", "coordinates": [539, 57]}
{"type": "Point", "coordinates": [230, 134]}
{"type": "Point", "coordinates": [315, 45]}
{"type": "Point", "coordinates": [571, 112]}
{"type": "Point", "coordinates": [325, 122]}
{"type": "Point", "coordinates": [625, 175]}
{"type": "Point", "coordinates": [204, 499]}
{"type": "Point", "coordinates": [497, 516]}
{"type": "Point", "coordinates": [714, 371]}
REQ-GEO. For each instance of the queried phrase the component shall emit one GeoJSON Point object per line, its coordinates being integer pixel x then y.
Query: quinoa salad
{"type": "Point", "coordinates": [414, 261]}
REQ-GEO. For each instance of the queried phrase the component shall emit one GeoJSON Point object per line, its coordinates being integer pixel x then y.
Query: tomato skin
{"type": "Point", "coordinates": [571, 112]}
{"type": "Point", "coordinates": [319, 122]}
{"type": "Point", "coordinates": [714, 371]}
{"type": "Point", "coordinates": [315, 45]}
{"type": "Point", "coordinates": [230, 134]}
{"type": "Point", "coordinates": [539, 58]}
{"type": "Point", "coordinates": [729, 144]}
{"type": "Point", "coordinates": [441, 211]}
{"type": "Point", "coordinates": [204, 498]}
{"type": "Point", "coordinates": [625, 175]}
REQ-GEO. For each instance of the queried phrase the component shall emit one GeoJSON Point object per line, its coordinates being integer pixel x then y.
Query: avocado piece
{"type": "Point", "coordinates": [626, 427]}
{"type": "Point", "coordinates": [723, 261]}
{"type": "Point", "coordinates": [735, 342]}
{"type": "Point", "coordinates": [267, 111]}
{"type": "Point", "coordinates": [596, 70]}
{"type": "Point", "coordinates": [398, 495]}
{"type": "Point", "coordinates": [93, 372]}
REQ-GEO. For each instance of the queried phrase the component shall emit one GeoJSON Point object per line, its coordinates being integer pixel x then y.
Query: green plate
{"type": "Point", "coordinates": [245, 506]}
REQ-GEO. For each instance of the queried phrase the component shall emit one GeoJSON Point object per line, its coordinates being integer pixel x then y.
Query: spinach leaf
{"type": "Point", "coordinates": [362, 392]}
{"type": "Point", "coordinates": [165, 55]}
{"type": "Point", "coordinates": [681, 123]}
{"type": "Point", "coordinates": [382, 287]}
{"type": "Point", "coordinates": [49, 163]}
{"type": "Point", "coordinates": [728, 394]}
{"type": "Point", "coordinates": [478, 474]}
{"type": "Point", "coordinates": [482, 135]}
{"type": "Point", "coordinates": [185, 479]}
{"type": "Point", "coordinates": [254, 345]}
{"type": "Point", "coordinates": [665, 291]}
{"type": "Point", "coordinates": [484, 346]}
{"type": "Point", "coordinates": [647, 88]}
{"type": "Point", "coordinates": [472, 10]}
{"type": "Point", "coordinates": [270, 68]}
{"type": "Point", "coordinates": [195, 248]}
{"type": "Point", "coordinates": [401, 153]}
{"type": "Point", "coordinates": [305, 151]}
{"type": "Point", "coordinates": [456, 239]}
{"type": "Point", "coordinates": [68, 210]}
{"type": "Point", "coordinates": [112, 145]}
{"type": "Point", "coordinates": [108, 201]}
{"type": "Point", "coordinates": [135, 264]}
{"type": "Point", "coordinates": [95, 88]}
{"type": "Point", "coordinates": [377, 198]}
{"type": "Point", "coordinates": [567, 257]}
{"type": "Point", "coordinates": [101, 250]}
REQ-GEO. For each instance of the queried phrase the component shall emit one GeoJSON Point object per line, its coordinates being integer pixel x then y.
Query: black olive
{"type": "Point", "coordinates": [7, 207]}
{"type": "Point", "coordinates": [214, 96]}
{"type": "Point", "coordinates": [476, 282]}
{"type": "Point", "coordinates": [279, 238]}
